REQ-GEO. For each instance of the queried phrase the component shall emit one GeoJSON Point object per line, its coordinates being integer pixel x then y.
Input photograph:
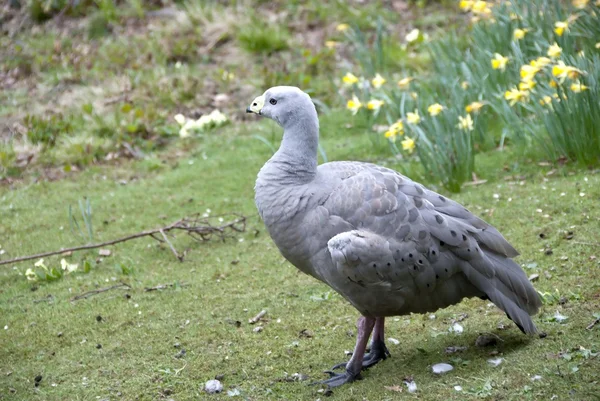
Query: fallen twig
{"type": "Point", "coordinates": [256, 318]}
{"type": "Point", "coordinates": [163, 287]}
{"type": "Point", "coordinates": [591, 325]}
{"type": "Point", "coordinates": [100, 290]}
{"type": "Point", "coordinates": [180, 257]}
{"type": "Point", "coordinates": [197, 227]}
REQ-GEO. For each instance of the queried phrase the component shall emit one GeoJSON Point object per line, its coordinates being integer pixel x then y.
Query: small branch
{"type": "Point", "coordinates": [163, 287]}
{"type": "Point", "coordinates": [198, 228]}
{"type": "Point", "coordinates": [171, 246]}
{"type": "Point", "coordinates": [256, 318]}
{"type": "Point", "coordinates": [100, 290]}
{"type": "Point", "coordinates": [591, 325]}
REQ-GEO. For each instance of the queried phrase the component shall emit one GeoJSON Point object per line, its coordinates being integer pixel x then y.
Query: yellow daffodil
{"type": "Point", "coordinates": [465, 123]}
{"type": "Point", "coordinates": [354, 105]}
{"type": "Point", "coordinates": [513, 16]}
{"type": "Point", "coordinates": [528, 72]}
{"type": "Point", "coordinates": [464, 85]}
{"type": "Point", "coordinates": [408, 144]}
{"type": "Point", "coordinates": [546, 100]}
{"type": "Point", "coordinates": [560, 27]}
{"type": "Point", "coordinates": [466, 5]}
{"type": "Point", "coordinates": [413, 117]}
{"type": "Point", "coordinates": [404, 83]}
{"type": "Point", "coordinates": [474, 107]}
{"type": "Point", "coordinates": [562, 71]}
{"type": "Point", "coordinates": [578, 87]}
{"type": "Point", "coordinates": [480, 7]}
{"type": "Point", "coordinates": [331, 44]}
{"type": "Point", "coordinates": [581, 53]}
{"type": "Point", "coordinates": [398, 126]}
{"type": "Point", "coordinates": [377, 81]}
{"type": "Point", "coordinates": [350, 79]}
{"type": "Point", "coordinates": [414, 95]}
{"type": "Point", "coordinates": [391, 135]}
{"type": "Point", "coordinates": [597, 45]}
{"type": "Point", "coordinates": [342, 27]}
{"type": "Point", "coordinates": [499, 62]}
{"type": "Point", "coordinates": [519, 34]}
{"type": "Point", "coordinates": [526, 86]}
{"type": "Point", "coordinates": [375, 104]}
{"type": "Point", "coordinates": [435, 109]}
{"type": "Point", "coordinates": [540, 62]}
{"type": "Point", "coordinates": [515, 95]}
{"type": "Point", "coordinates": [554, 51]}
{"type": "Point", "coordinates": [580, 3]}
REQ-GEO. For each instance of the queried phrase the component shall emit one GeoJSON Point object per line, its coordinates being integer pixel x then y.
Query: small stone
{"type": "Point", "coordinates": [180, 354]}
{"type": "Point", "coordinates": [177, 345]}
{"type": "Point", "coordinates": [257, 329]}
{"type": "Point", "coordinates": [393, 341]}
{"type": "Point", "coordinates": [98, 346]}
{"type": "Point", "coordinates": [219, 377]}
{"type": "Point", "coordinates": [104, 252]}
{"type": "Point", "coordinates": [37, 380]}
{"type": "Point", "coordinates": [213, 386]}
{"type": "Point", "coordinates": [60, 334]}
{"type": "Point", "coordinates": [458, 388]}
{"type": "Point", "coordinates": [534, 277]}
{"type": "Point", "coordinates": [441, 368]}
{"type": "Point", "coordinates": [495, 362]}
{"type": "Point", "coordinates": [98, 318]}
{"type": "Point", "coordinates": [454, 349]}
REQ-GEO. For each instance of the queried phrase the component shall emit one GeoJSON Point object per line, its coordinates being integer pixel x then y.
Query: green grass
{"type": "Point", "coordinates": [137, 358]}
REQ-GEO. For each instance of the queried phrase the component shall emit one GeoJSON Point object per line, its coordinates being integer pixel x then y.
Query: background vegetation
{"type": "Point", "coordinates": [108, 127]}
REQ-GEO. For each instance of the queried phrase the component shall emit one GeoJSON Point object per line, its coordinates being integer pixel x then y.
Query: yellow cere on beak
{"type": "Point", "coordinates": [257, 105]}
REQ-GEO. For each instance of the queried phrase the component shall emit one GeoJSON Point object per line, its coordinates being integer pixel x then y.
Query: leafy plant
{"type": "Point", "coordinates": [85, 209]}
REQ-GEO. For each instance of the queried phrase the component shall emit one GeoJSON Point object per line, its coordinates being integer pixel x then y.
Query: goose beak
{"type": "Point", "coordinates": [256, 105]}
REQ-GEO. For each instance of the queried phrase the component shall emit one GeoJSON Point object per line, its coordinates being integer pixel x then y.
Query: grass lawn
{"type": "Point", "coordinates": [221, 283]}
{"type": "Point", "coordinates": [86, 110]}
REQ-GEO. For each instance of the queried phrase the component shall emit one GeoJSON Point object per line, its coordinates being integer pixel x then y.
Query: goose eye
{"type": "Point", "coordinates": [273, 101]}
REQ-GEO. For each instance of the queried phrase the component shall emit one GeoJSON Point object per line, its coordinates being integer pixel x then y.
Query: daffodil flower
{"type": "Point", "coordinates": [464, 85]}
{"type": "Point", "coordinates": [562, 71]}
{"type": "Point", "coordinates": [554, 50]}
{"type": "Point", "coordinates": [398, 127]}
{"type": "Point", "coordinates": [578, 87]}
{"type": "Point", "coordinates": [331, 44]}
{"type": "Point", "coordinates": [465, 5]}
{"type": "Point", "coordinates": [435, 109]}
{"type": "Point", "coordinates": [354, 105]}
{"type": "Point", "coordinates": [515, 95]}
{"type": "Point", "coordinates": [375, 104]}
{"type": "Point", "coordinates": [597, 45]}
{"type": "Point", "coordinates": [408, 144]}
{"type": "Point", "coordinates": [404, 83]}
{"type": "Point", "coordinates": [413, 117]}
{"type": "Point", "coordinates": [465, 123]}
{"type": "Point", "coordinates": [499, 62]}
{"type": "Point", "coordinates": [342, 27]}
{"type": "Point", "coordinates": [546, 100]}
{"type": "Point", "coordinates": [378, 81]}
{"type": "Point", "coordinates": [528, 72]}
{"type": "Point", "coordinates": [527, 85]}
{"type": "Point", "coordinates": [519, 34]}
{"type": "Point", "coordinates": [39, 263]}
{"type": "Point", "coordinates": [540, 62]}
{"type": "Point", "coordinates": [474, 107]}
{"type": "Point", "coordinates": [350, 79]}
{"type": "Point", "coordinates": [580, 3]}
{"type": "Point", "coordinates": [560, 27]}
{"type": "Point", "coordinates": [391, 135]}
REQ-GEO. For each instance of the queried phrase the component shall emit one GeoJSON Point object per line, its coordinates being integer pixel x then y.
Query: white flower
{"type": "Point", "coordinates": [413, 36]}
{"type": "Point", "coordinates": [30, 274]}
{"type": "Point", "coordinates": [70, 268]}
{"type": "Point", "coordinates": [180, 118]}
{"type": "Point", "coordinates": [39, 263]}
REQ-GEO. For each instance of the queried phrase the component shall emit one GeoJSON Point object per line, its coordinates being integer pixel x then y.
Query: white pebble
{"type": "Point", "coordinates": [213, 386]}
{"type": "Point", "coordinates": [440, 368]}
{"type": "Point", "coordinates": [495, 362]}
{"type": "Point", "coordinates": [456, 328]}
{"type": "Point", "coordinates": [393, 341]}
{"type": "Point", "coordinates": [458, 388]}
{"type": "Point", "coordinates": [412, 386]}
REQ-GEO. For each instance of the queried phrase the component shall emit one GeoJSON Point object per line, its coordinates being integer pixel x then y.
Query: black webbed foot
{"type": "Point", "coordinates": [338, 379]}
{"type": "Point", "coordinates": [378, 353]}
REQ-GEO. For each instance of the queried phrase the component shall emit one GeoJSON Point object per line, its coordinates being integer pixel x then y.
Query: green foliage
{"type": "Point", "coordinates": [85, 208]}
{"type": "Point", "coordinates": [551, 112]}
{"type": "Point", "coordinates": [261, 37]}
{"type": "Point", "coordinates": [46, 130]}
